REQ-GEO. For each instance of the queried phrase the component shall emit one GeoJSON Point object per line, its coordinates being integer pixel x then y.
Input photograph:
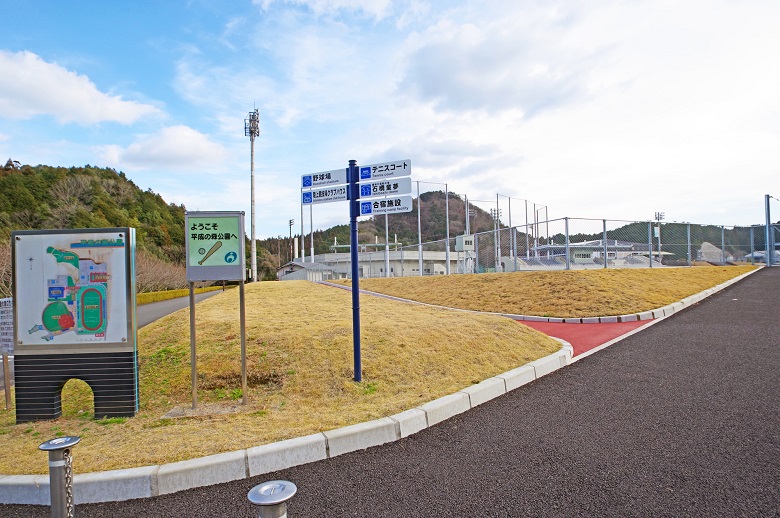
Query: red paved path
{"type": "Point", "coordinates": [584, 337]}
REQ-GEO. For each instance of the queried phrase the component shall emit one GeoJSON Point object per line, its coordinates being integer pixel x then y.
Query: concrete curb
{"type": "Point", "coordinates": [148, 481]}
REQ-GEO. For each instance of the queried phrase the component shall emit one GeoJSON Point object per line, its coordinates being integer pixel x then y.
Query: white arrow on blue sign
{"type": "Point", "coordinates": [385, 170]}
{"type": "Point", "coordinates": [327, 195]}
{"type": "Point", "coordinates": [335, 177]}
{"type": "Point", "coordinates": [386, 187]}
{"type": "Point", "coordinates": [386, 205]}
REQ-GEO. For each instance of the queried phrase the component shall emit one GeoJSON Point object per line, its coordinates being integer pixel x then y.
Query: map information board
{"type": "Point", "coordinates": [72, 290]}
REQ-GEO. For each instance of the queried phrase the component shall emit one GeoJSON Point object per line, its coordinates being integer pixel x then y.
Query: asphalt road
{"type": "Point", "coordinates": [681, 419]}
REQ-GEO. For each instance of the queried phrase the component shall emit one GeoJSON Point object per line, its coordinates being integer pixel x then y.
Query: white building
{"type": "Point", "coordinates": [402, 263]}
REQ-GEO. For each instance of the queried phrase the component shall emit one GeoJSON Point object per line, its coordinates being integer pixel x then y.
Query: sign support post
{"type": "Point", "coordinates": [354, 211]}
{"type": "Point", "coordinates": [193, 366]}
{"type": "Point", "coordinates": [215, 251]}
{"type": "Point", "coordinates": [242, 311]}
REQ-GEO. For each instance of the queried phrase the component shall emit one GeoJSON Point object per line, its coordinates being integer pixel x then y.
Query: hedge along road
{"type": "Point", "coordinates": [680, 419]}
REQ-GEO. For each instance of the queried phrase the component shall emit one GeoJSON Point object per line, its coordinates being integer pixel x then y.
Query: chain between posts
{"type": "Point", "coordinates": [68, 482]}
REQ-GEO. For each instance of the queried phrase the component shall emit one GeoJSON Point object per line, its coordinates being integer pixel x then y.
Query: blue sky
{"type": "Point", "coordinates": [596, 109]}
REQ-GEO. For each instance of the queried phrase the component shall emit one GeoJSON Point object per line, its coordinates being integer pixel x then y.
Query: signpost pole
{"type": "Point", "coordinates": [311, 235]}
{"type": "Point", "coordinates": [354, 209]}
{"type": "Point", "coordinates": [194, 369]}
{"type": "Point", "coordinates": [419, 233]}
{"type": "Point", "coordinates": [387, 247]}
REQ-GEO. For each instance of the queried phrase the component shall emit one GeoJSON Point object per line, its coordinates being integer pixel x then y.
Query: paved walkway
{"type": "Point", "coordinates": [680, 419]}
{"type": "Point", "coordinates": [586, 337]}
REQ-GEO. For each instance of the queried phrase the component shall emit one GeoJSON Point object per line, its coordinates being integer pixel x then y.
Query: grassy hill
{"type": "Point", "coordinates": [299, 358]}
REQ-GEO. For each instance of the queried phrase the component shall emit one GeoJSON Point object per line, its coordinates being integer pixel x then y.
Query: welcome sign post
{"type": "Point", "coordinates": [215, 251]}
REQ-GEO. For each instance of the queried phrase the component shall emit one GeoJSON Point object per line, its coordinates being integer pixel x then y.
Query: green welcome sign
{"type": "Point", "coordinates": [215, 246]}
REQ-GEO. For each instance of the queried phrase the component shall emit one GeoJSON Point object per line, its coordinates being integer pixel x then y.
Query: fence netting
{"type": "Point", "coordinates": [566, 244]}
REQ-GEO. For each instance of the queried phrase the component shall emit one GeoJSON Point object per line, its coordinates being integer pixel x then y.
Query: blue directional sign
{"type": "Point", "coordinates": [335, 177]}
{"type": "Point", "coordinates": [391, 187]}
{"type": "Point", "coordinates": [390, 205]}
{"type": "Point", "coordinates": [386, 170]}
{"type": "Point", "coordinates": [326, 195]}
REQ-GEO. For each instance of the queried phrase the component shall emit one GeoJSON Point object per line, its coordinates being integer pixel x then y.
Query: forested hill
{"type": "Point", "coordinates": [39, 197]}
{"type": "Point", "coordinates": [46, 197]}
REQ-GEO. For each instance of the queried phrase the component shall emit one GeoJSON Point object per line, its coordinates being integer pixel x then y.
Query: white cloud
{"type": "Point", "coordinates": [174, 147]}
{"type": "Point", "coordinates": [519, 60]}
{"type": "Point", "coordinates": [29, 86]}
{"type": "Point", "coordinates": [374, 8]}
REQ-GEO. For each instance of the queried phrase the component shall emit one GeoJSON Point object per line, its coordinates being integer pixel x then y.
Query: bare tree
{"type": "Point", "coordinates": [72, 189]}
{"type": "Point", "coordinates": [154, 274]}
{"type": "Point", "coordinates": [119, 190]}
{"type": "Point", "coordinates": [5, 270]}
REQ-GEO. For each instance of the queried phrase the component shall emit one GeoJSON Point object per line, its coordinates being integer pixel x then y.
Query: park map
{"type": "Point", "coordinates": [75, 300]}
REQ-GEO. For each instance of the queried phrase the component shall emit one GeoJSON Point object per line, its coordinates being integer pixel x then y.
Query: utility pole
{"type": "Point", "coordinates": [252, 130]}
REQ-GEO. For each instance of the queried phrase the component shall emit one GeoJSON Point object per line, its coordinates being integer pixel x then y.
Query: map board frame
{"type": "Point", "coordinates": [74, 318]}
{"type": "Point", "coordinates": [38, 274]}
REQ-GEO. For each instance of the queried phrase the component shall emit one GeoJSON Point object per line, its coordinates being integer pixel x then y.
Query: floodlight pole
{"type": "Point", "coordinates": [252, 130]}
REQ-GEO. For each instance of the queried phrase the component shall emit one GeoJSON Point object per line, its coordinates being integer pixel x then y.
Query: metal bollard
{"type": "Point", "coordinates": [272, 497]}
{"type": "Point", "coordinates": [61, 475]}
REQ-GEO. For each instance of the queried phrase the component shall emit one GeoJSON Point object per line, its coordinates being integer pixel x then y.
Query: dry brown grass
{"type": "Point", "coordinates": [575, 293]}
{"type": "Point", "coordinates": [299, 344]}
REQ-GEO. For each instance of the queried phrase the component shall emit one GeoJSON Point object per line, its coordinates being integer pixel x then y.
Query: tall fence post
{"type": "Point", "coordinates": [752, 246]}
{"type": "Point", "coordinates": [650, 242]}
{"type": "Point", "coordinates": [690, 262]}
{"type": "Point", "coordinates": [61, 475]}
{"type": "Point", "coordinates": [604, 221]}
{"type": "Point", "coordinates": [476, 253]}
{"type": "Point", "coordinates": [447, 217]}
{"type": "Point", "coordinates": [769, 251]}
{"type": "Point", "coordinates": [568, 255]}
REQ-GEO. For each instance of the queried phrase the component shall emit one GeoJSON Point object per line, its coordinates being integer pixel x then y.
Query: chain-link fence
{"type": "Point", "coordinates": [566, 244]}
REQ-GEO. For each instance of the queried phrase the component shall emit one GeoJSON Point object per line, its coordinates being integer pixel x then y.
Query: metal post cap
{"type": "Point", "coordinates": [274, 492]}
{"type": "Point", "coordinates": [60, 443]}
